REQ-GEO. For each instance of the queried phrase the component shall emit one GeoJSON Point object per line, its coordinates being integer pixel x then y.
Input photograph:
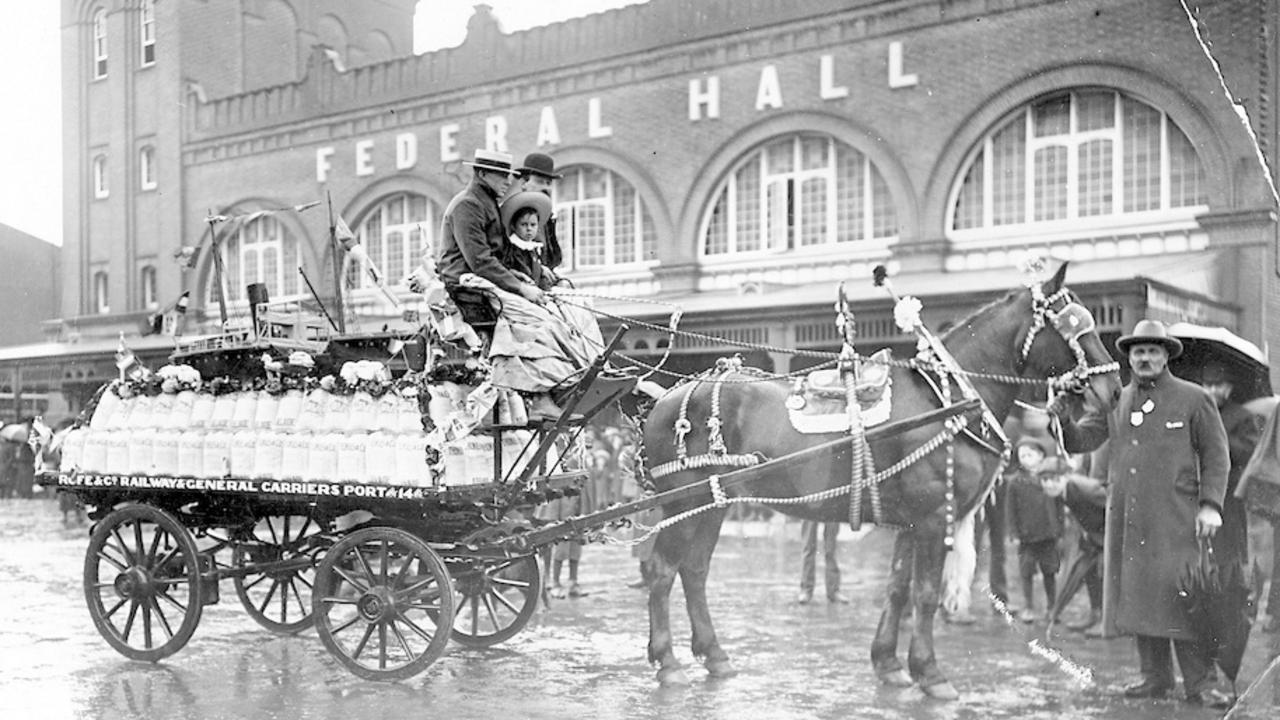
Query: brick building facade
{"type": "Point", "coordinates": [738, 159]}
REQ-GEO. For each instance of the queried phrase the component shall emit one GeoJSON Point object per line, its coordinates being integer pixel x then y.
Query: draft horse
{"type": "Point", "coordinates": [1007, 340]}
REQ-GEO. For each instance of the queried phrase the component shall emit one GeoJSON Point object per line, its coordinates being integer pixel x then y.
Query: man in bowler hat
{"type": "Point", "coordinates": [538, 174]}
{"type": "Point", "coordinates": [1167, 471]}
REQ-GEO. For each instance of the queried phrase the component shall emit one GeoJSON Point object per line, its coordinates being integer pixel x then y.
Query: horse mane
{"type": "Point", "coordinates": [953, 326]}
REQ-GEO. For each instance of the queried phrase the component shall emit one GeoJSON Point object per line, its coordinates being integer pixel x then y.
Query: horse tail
{"type": "Point", "coordinates": [960, 565]}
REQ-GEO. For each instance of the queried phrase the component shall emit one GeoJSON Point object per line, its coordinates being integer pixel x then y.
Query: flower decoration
{"type": "Point", "coordinates": [360, 376]}
{"type": "Point", "coordinates": [906, 313]}
{"type": "Point", "coordinates": [302, 359]}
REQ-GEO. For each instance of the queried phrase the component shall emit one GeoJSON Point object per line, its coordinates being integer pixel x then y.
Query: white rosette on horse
{"type": "Point", "coordinates": [268, 457]}
{"type": "Point", "coordinates": [264, 414]}
{"type": "Point", "coordinates": [94, 457]}
{"type": "Point", "coordinates": [216, 454]}
{"type": "Point", "coordinates": [72, 449]}
{"type": "Point", "coordinates": [164, 457]}
{"type": "Point", "coordinates": [289, 409]}
{"type": "Point", "coordinates": [293, 456]}
{"type": "Point", "coordinates": [117, 451]}
{"type": "Point", "coordinates": [142, 444]}
{"type": "Point", "coordinates": [380, 458]}
{"type": "Point", "coordinates": [246, 408]}
{"type": "Point", "coordinates": [224, 409]}
{"type": "Point", "coordinates": [351, 457]}
{"type": "Point", "coordinates": [243, 453]}
{"type": "Point", "coordinates": [411, 461]}
{"type": "Point", "coordinates": [108, 405]}
{"type": "Point", "coordinates": [191, 453]}
{"type": "Point", "coordinates": [201, 410]}
{"type": "Point", "coordinates": [322, 457]}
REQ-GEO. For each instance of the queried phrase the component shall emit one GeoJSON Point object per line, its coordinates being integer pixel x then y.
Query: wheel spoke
{"type": "Point", "coordinates": [271, 527]}
{"type": "Point", "coordinates": [102, 554]}
{"type": "Point", "coordinates": [493, 613]}
{"type": "Point", "coordinates": [339, 628]}
{"type": "Point", "coordinates": [164, 621]}
{"type": "Point", "coordinates": [138, 542]}
{"type": "Point", "coordinates": [368, 633]}
{"type": "Point", "coordinates": [124, 549]}
{"type": "Point", "coordinates": [155, 545]}
{"type": "Point", "coordinates": [168, 556]}
{"type": "Point", "coordinates": [413, 589]}
{"type": "Point", "coordinates": [303, 579]}
{"type": "Point", "coordinates": [475, 614]}
{"type": "Point", "coordinates": [414, 627]}
{"type": "Point", "coordinates": [181, 607]}
{"type": "Point", "coordinates": [107, 615]}
{"type": "Point", "coordinates": [128, 624]}
{"type": "Point", "coordinates": [254, 582]}
{"type": "Point", "coordinates": [508, 582]}
{"type": "Point", "coordinates": [384, 561]}
{"type": "Point", "coordinates": [302, 608]}
{"type": "Point", "coordinates": [382, 639]}
{"type": "Point", "coordinates": [146, 624]}
{"type": "Point", "coordinates": [404, 644]}
{"type": "Point", "coordinates": [503, 599]}
{"type": "Point", "coordinates": [267, 600]}
{"type": "Point", "coordinates": [364, 565]}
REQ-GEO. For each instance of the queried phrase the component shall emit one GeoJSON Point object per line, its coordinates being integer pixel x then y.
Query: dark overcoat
{"type": "Point", "coordinates": [1168, 455]}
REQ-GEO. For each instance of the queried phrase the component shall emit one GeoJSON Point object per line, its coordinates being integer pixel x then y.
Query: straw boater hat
{"type": "Point", "coordinates": [528, 198]}
{"type": "Point", "coordinates": [1154, 332]}
{"type": "Point", "coordinates": [539, 164]}
{"type": "Point", "coordinates": [490, 160]}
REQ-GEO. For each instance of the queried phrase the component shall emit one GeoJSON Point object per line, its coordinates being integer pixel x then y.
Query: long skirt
{"type": "Point", "coordinates": [536, 347]}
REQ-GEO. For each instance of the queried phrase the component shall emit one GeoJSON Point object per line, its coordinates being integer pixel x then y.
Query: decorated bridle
{"type": "Point", "coordinates": [1072, 320]}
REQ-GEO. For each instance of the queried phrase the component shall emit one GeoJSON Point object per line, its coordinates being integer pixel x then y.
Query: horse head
{"type": "Point", "coordinates": [1061, 343]}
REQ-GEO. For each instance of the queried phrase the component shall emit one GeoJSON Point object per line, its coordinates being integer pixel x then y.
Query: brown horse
{"type": "Point", "coordinates": [996, 346]}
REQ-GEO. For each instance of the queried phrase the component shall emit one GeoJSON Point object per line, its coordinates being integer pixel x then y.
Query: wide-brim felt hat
{"type": "Point", "coordinates": [1040, 442]}
{"type": "Point", "coordinates": [490, 160]}
{"type": "Point", "coordinates": [1150, 331]}
{"type": "Point", "coordinates": [539, 164]}
{"type": "Point", "coordinates": [528, 198]}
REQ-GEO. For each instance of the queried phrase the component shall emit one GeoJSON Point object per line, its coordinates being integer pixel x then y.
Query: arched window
{"type": "Point", "coordinates": [147, 168]}
{"type": "Point", "coordinates": [394, 234]}
{"type": "Point", "coordinates": [601, 221]}
{"type": "Point", "coordinates": [261, 251]}
{"type": "Point", "coordinates": [1079, 159]}
{"type": "Point", "coordinates": [100, 43]}
{"type": "Point", "coordinates": [796, 192]}
{"type": "Point", "coordinates": [101, 304]}
{"type": "Point", "coordinates": [150, 298]}
{"type": "Point", "coordinates": [147, 32]}
{"type": "Point", "coordinates": [100, 189]}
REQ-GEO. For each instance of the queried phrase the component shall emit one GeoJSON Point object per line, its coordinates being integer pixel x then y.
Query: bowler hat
{"type": "Point", "coordinates": [1151, 331]}
{"type": "Point", "coordinates": [528, 198]}
{"type": "Point", "coordinates": [490, 160]}
{"type": "Point", "coordinates": [539, 164]}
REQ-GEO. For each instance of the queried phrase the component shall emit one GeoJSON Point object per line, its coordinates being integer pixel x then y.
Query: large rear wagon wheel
{"type": "Point", "coordinates": [142, 582]}
{"type": "Point", "coordinates": [496, 598]}
{"type": "Point", "coordinates": [279, 599]}
{"type": "Point", "coordinates": [383, 603]}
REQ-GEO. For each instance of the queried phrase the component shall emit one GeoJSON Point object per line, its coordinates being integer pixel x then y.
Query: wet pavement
{"type": "Point", "coordinates": [582, 658]}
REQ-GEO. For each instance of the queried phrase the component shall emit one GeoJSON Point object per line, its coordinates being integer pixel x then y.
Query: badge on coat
{"type": "Point", "coordinates": [1135, 418]}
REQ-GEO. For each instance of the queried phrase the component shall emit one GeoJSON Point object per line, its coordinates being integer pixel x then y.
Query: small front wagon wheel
{"type": "Point", "coordinates": [383, 603]}
{"type": "Point", "coordinates": [279, 570]}
{"type": "Point", "coordinates": [496, 598]}
{"type": "Point", "coordinates": [142, 582]}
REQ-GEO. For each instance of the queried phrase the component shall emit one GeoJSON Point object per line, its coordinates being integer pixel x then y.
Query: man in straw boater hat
{"type": "Point", "coordinates": [1167, 471]}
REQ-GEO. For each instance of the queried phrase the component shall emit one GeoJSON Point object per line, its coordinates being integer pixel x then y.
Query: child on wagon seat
{"type": "Point", "coordinates": [1035, 509]}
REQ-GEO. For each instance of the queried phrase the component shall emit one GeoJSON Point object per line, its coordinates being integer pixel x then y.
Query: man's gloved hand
{"type": "Point", "coordinates": [1208, 520]}
{"type": "Point", "coordinates": [1063, 404]}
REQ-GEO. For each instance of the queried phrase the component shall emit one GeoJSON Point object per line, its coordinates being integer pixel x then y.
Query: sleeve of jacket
{"type": "Point", "coordinates": [1209, 442]}
{"type": "Point", "coordinates": [469, 234]}
{"type": "Point", "coordinates": [1086, 433]}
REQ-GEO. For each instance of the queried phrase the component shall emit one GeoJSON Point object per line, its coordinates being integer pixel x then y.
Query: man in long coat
{"type": "Point", "coordinates": [1168, 474]}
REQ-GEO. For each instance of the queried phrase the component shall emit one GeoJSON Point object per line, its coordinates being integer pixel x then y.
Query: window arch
{"type": "Point", "coordinates": [147, 168]}
{"type": "Point", "coordinates": [601, 220]}
{"type": "Point", "coordinates": [1084, 158]}
{"type": "Point", "coordinates": [805, 190]}
{"type": "Point", "coordinates": [150, 296]}
{"type": "Point", "coordinates": [100, 43]}
{"type": "Point", "coordinates": [394, 234]}
{"type": "Point", "coordinates": [100, 188]}
{"type": "Point", "coordinates": [260, 251]}
{"type": "Point", "coordinates": [101, 298]}
{"type": "Point", "coordinates": [147, 32]}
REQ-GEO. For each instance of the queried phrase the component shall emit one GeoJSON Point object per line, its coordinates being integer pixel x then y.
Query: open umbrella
{"type": "Point", "coordinates": [15, 432]}
{"type": "Point", "coordinates": [1086, 497]}
{"type": "Point", "coordinates": [1221, 602]}
{"type": "Point", "coordinates": [1245, 362]}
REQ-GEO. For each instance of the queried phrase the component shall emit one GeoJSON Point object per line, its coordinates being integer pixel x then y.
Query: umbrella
{"type": "Point", "coordinates": [1246, 363]}
{"type": "Point", "coordinates": [15, 432]}
{"type": "Point", "coordinates": [1222, 605]}
{"type": "Point", "coordinates": [1086, 497]}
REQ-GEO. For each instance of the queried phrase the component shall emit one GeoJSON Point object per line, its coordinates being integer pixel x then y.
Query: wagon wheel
{"type": "Point", "coordinates": [495, 599]}
{"type": "Point", "coordinates": [142, 582]}
{"type": "Point", "coordinates": [279, 599]}
{"type": "Point", "coordinates": [381, 599]}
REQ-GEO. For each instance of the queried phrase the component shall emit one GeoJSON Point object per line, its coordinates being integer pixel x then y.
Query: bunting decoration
{"type": "Point", "coordinates": [168, 320]}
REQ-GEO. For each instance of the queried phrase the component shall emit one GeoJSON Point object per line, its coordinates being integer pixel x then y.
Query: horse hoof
{"type": "Point", "coordinates": [941, 691]}
{"type": "Point", "coordinates": [896, 678]}
{"type": "Point", "coordinates": [668, 677]}
{"type": "Point", "coordinates": [721, 668]}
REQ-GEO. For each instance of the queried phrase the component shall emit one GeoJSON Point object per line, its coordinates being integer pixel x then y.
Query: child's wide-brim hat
{"type": "Point", "coordinates": [1041, 443]}
{"type": "Point", "coordinates": [539, 201]}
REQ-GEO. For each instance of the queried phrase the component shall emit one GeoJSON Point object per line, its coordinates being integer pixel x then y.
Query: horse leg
{"type": "Point", "coordinates": [664, 563]}
{"type": "Point", "coordinates": [884, 648]}
{"type": "Point", "coordinates": [693, 577]}
{"type": "Point", "coordinates": [927, 575]}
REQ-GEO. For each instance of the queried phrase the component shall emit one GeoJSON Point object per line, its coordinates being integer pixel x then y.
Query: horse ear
{"type": "Point", "coordinates": [1055, 282]}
